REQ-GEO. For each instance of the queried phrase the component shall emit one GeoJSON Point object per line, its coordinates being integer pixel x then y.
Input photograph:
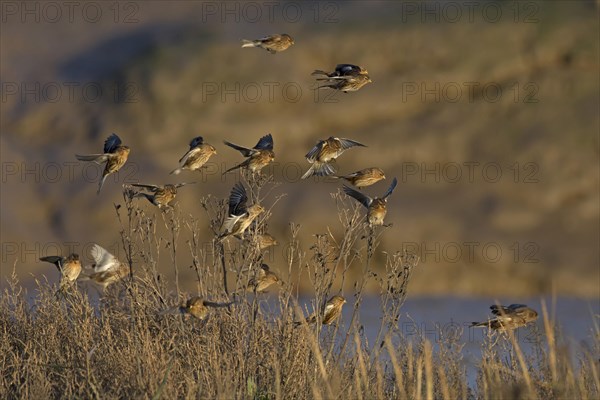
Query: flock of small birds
{"type": "Point", "coordinates": [107, 269]}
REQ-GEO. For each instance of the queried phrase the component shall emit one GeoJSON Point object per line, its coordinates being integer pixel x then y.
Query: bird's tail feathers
{"type": "Point", "coordinates": [319, 169]}
{"type": "Point", "coordinates": [249, 43]}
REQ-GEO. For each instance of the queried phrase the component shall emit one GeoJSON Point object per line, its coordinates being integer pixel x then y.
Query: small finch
{"type": "Point", "coordinates": [265, 240]}
{"type": "Point", "coordinates": [364, 177]}
{"type": "Point", "coordinates": [196, 307]}
{"type": "Point", "coordinates": [106, 270]}
{"type": "Point", "coordinates": [161, 196]}
{"type": "Point", "coordinates": [263, 280]}
{"type": "Point", "coordinates": [240, 215]}
{"type": "Point", "coordinates": [343, 70]}
{"type": "Point", "coordinates": [377, 207]}
{"type": "Point", "coordinates": [115, 156]}
{"type": "Point", "coordinates": [331, 311]}
{"type": "Point", "coordinates": [346, 83]}
{"type": "Point", "coordinates": [508, 318]}
{"type": "Point", "coordinates": [259, 156]}
{"type": "Point", "coordinates": [69, 268]}
{"type": "Point", "coordinates": [273, 44]}
{"type": "Point", "coordinates": [195, 158]}
{"type": "Point", "coordinates": [324, 152]}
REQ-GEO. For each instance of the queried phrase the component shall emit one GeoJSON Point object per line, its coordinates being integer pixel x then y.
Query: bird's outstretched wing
{"type": "Point", "coordinates": [152, 188]}
{"type": "Point", "coordinates": [390, 189]}
{"type": "Point", "coordinates": [111, 143]}
{"type": "Point", "coordinates": [265, 143]}
{"type": "Point", "coordinates": [237, 200]}
{"type": "Point", "coordinates": [104, 261]}
{"type": "Point", "coordinates": [311, 156]}
{"type": "Point", "coordinates": [362, 198]}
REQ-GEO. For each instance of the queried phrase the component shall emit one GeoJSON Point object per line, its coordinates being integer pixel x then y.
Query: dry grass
{"type": "Point", "coordinates": [120, 347]}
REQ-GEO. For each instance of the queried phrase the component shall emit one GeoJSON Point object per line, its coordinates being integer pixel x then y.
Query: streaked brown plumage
{"type": "Point", "coordinates": [69, 268]}
{"type": "Point", "coordinates": [376, 207]}
{"type": "Point", "coordinates": [115, 156]}
{"type": "Point", "coordinates": [364, 177]}
{"type": "Point", "coordinates": [106, 270]}
{"type": "Point", "coordinates": [161, 196]}
{"type": "Point", "coordinates": [273, 43]}
{"type": "Point", "coordinates": [240, 215]}
{"type": "Point", "coordinates": [259, 156]}
{"type": "Point", "coordinates": [263, 280]}
{"type": "Point", "coordinates": [346, 83]}
{"type": "Point", "coordinates": [330, 313]}
{"type": "Point", "coordinates": [326, 151]}
{"type": "Point", "coordinates": [265, 240]}
{"type": "Point", "coordinates": [342, 70]}
{"type": "Point", "coordinates": [197, 307]}
{"type": "Point", "coordinates": [195, 158]}
{"type": "Point", "coordinates": [508, 318]}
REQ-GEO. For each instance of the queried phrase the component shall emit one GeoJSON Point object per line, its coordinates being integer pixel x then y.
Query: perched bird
{"type": "Point", "coordinates": [259, 156]}
{"type": "Point", "coordinates": [115, 155]}
{"type": "Point", "coordinates": [273, 44]}
{"type": "Point", "coordinates": [347, 83]}
{"type": "Point", "coordinates": [195, 158]}
{"type": "Point", "coordinates": [377, 207]}
{"type": "Point", "coordinates": [364, 177]}
{"type": "Point", "coordinates": [263, 280]}
{"type": "Point", "coordinates": [106, 269]}
{"type": "Point", "coordinates": [196, 307]}
{"type": "Point", "coordinates": [265, 240]}
{"type": "Point", "coordinates": [161, 196]}
{"type": "Point", "coordinates": [331, 311]}
{"type": "Point", "coordinates": [69, 268]}
{"type": "Point", "coordinates": [240, 215]}
{"type": "Point", "coordinates": [508, 318]}
{"type": "Point", "coordinates": [324, 152]}
{"type": "Point", "coordinates": [343, 70]}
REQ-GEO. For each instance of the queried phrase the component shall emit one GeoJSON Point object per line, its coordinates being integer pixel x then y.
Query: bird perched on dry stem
{"type": "Point", "coordinates": [196, 307]}
{"type": "Point", "coordinates": [115, 155]}
{"type": "Point", "coordinates": [273, 43]}
{"type": "Point", "coordinates": [377, 207]}
{"type": "Point", "coordinates": [346, 83]}
{"type": "Point", "coordinates": [195, 158]}
{"type": "Point", "coordinates": [508, 318]}
{"type": "Point", "coordinates": [240, 215]}
{"type": "Point", "coordinates": [106, 269]}
{"type": "Point", "coordinates": [69, 268]}
{"type": "Point", "coordinates": [364, 177]}
{"type": "Point", "coordinates": [331, 311]}
{"type": "Point", "coordinates": [263, 280]}
{"type": "Point", "coordinates": [161, 196]}
{"type": "Point", "coordinates": [265, 240]}
{"type": "Point", "coordinates": [342, 70]}
{"type": "Point", "coordinates": [259, 156]}
{"type": "Point", "coordinates": [326, 151]}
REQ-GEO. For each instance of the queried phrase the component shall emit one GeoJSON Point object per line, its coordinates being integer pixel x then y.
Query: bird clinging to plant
{"type": "Point", "coordinates": [364, 177]}
{"type": "Point", "coordinates": [263, 280]}
{"type": "Point", "coordinates": [331, 311]}
{"type": "Point", "coordinates": [195, 158]}
{"type": "Point", "coordinates": [69, 268]}
{"type": "Point", "coordinates": [240, 215]}
{"type": "Point", "coordinates": [115, 156]}
{"type": "Point", "coordinates": [259, 156]}
{"type": "Point", "coordinates": [508, 318]}
{"type": "Point", "coordinates": [377, 207]}
{"type": "Point", "coordinates": [106, 270]}
{"type": "Point", "coordinates": [326, 151]}
{"type": "Point", "coordinates": [273, 43]}
{"type": "Point", "coordinates": [161, 196]}
{"type": "Point", "coordinates": [197, 307]}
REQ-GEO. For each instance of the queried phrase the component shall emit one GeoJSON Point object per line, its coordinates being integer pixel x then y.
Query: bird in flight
{"type": "Point", "coordinates": [160, 196]}
{"type": "Point", "coordinates": [508, 318]}
{"type": "Point", "coordinates": [324, 153]}
{"type": "Point", "coordinates": [106, 269]}
{"type": "Point", "coordinates": [195, 158]}
{"type": "Point", "coordinates": [258, 157]}
{"type": "Point", "coordinates": [240, 215]}
{"type": "Point", "coordinates": [115, 156]}
{"type": "Point", "coordinates": [273, 43]}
